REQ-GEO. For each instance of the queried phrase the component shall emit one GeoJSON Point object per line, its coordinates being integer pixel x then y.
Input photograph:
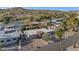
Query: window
{"type": "Point", "coordinates": [8, 40]}
{"type": "Point", "coordinates": [2, 41]}
{"type": "Point", "coordinates": [10, 31]}
{"type": "Point", "coordinates": [14, 38]}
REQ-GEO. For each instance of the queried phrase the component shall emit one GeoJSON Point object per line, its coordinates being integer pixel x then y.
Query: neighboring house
{"type": "Point", "coordinates": [8, 35]}
{"type": "Point", "coordinates": [57, 22]}
{"type": "Point", "coordinates": [33, 34]}
{"type": "Point", "coordinates": [9, 38]}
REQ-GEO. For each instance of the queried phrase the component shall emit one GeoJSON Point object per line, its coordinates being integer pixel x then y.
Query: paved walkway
{"type": "Point", "coordinates": [72, 49]}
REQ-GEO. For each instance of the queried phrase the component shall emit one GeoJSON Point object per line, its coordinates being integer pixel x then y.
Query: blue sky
{"type": "Point", "coordinates": [54, 8]}
{"type": "Point", "coordinates": [50, 8]}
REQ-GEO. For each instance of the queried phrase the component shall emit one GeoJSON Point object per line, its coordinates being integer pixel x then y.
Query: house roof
{"type": "Point", "coordinates": [9, 35]}
{"type": "Point", "coordinates": [35, 31]}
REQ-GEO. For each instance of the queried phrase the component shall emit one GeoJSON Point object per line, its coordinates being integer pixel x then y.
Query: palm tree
{"type": "Point", "coordinates": [59, 34]}
{"type": "Point", "coordinates": [72, 23]}
{"type": "Point", "coordinates": [75, 31]}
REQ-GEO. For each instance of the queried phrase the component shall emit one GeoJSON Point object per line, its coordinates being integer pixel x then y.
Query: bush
{"type": "Point", "coordinates": [46, 37]}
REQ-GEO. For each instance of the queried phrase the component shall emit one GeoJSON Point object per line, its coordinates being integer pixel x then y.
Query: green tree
{"type": "Point", "coordinates": [7, 19]}
{"type": "Point", "coordinates": [46, 37]}
{"type": "Point", "coordinates": [72, 23]}
{"type": "Point", "coordinates": [23, 28]}
{"type": "Point", "coordinates": [32, 18]}
{"type": "Point", "coordinates": [59, 34]}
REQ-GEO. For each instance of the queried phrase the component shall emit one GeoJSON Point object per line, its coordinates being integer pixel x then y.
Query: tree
{"type": "Point", "coordinates": [72, 23]}
{"type": "Point", "coordinates": [59, 34]}
{"type": "Point", "coordinates": [75, 30]}
{"type": "Point", "coordinates": [23, 28]}
{"type": "Point", "coordinates": [63, 26]}
{"type": "Point", "coordinates": [46, 37]}
{"type": "Point", "coordinates": [32, 18]}
{"type": "Point", "coordinates": [7, 19]}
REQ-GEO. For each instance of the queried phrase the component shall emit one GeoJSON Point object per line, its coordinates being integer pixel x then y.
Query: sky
{"type": "Point", "coordinates": [49, 8]}
{"type": "Point", "coordinates": [54, 8]}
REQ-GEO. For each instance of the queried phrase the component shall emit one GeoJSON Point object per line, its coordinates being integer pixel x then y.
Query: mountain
{"type": "Point", "coordinates": [27, 14]}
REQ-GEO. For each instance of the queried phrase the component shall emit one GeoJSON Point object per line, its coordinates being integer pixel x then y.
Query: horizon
{"type": "Point", "coordinates": [54, 8]}
{"type": "Point", "coordinates": [48, 8]}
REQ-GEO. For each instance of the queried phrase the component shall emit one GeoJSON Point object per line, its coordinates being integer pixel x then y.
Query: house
{"type": "Point", "coordinates": [8, 35]}
{"type": "Point", "coordinates": [35, 33]}
{"type": "Point", "coordinates": [9, 38]}
{"type": "Point", "coordinates": [57, 22]}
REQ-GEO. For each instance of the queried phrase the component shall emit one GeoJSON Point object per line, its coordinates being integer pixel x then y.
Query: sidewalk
{"type": "Point", "coordinates": [72, 49]}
